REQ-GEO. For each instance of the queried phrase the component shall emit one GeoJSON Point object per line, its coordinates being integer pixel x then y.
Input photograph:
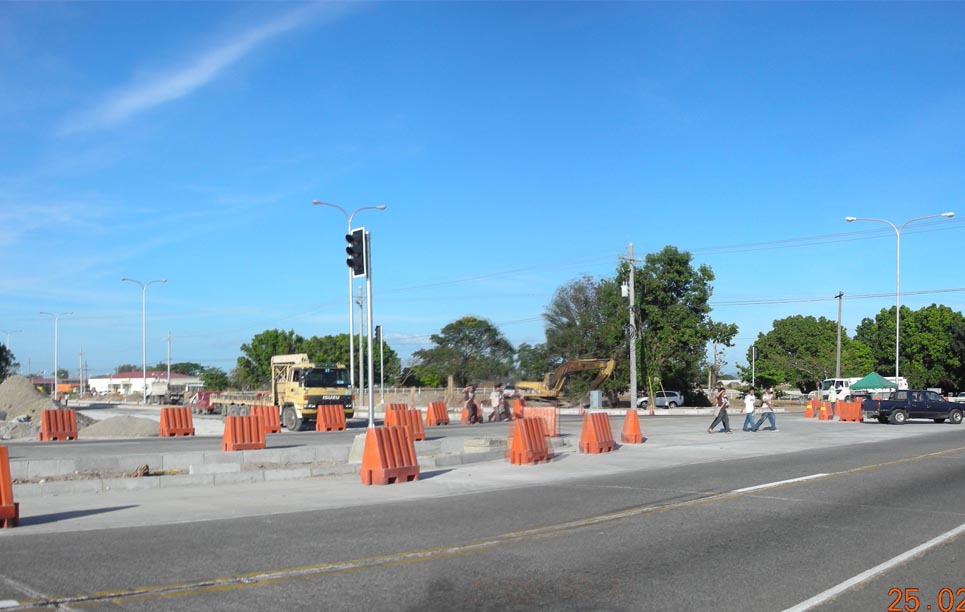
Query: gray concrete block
{"type": "Point", "coordinates": [181, 461]}
{"type": "Point", "coordinates": [215, 468]}
{"type": "Point", "coordinates": [335, 454]}
{"type": "Point", "coordinates": [224, 457]}
{"type": "Point", "coordinates": [46, 467]}
{"type": "Point", "coordinates": [132, 484]}
{"type": "Point", "coordinates": [117, 463]}
{"type": "Point", "coordinates": [358, 447]}
{"type": "Point", "coordinates": [70, 487]}
{"type": "Point", "coordinates": [484, 445]}
{"type": "Point", "coordinates": [335, 470]}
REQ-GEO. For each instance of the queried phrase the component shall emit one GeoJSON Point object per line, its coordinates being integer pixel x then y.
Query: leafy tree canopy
{"type": "Point", "coordinates": [184, 367]}
{"type": "Point", "coordinates": [7, 363]}
{"type": "Point", "coordinates": [931, 348]}
{"type": "Point", "coordinates": [470, 349]}
{"type": "Point", "coordinates": [802, 351]}
{"type": "Point", "coordinates": [214, 379]}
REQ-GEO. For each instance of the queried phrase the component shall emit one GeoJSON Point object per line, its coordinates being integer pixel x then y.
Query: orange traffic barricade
{"type": "Point", "coordinates": [330, 418]}
{"type": "Point", "coordinates": [631, 433]}
{"type": "Point", "coordinates": [412, 419]}
{"type": "Point", "coordinates": [58, 425]}
{"type": "Point", "coordinates": [9, 509]}
{"type": "Point", "coordinates": [550, 415]}
{"type": "Point", "coordinates": [596, 435]}
{"type": "Point", "coordinates": [528, 444]}
{"type": "Point", "coordinates": [437, 414]}
{"type": "Point", "coordinates": [388, 456]}
{"type": "Point", "coordinates": [243, 433]}
{"type": "Point", "coordinates": [393, 414]}
{"type": "Point", "coordinates": [176, 421]}
{"type": "Point", "coordinates": [270, 419]}
{"type": "Point", "coordinates": [518, 405]}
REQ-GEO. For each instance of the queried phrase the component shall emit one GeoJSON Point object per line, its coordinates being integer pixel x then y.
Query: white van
{"type": "Point", "coordinates": [842, 388]}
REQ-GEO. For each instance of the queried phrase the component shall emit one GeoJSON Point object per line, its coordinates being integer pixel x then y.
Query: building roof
{"type": "Point", "coordinates": [153, 374]}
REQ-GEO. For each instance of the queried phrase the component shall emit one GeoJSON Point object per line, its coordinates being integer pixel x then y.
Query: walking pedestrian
{"type": "Point", "coordinates": [750, 404]}
{"type": "Point", "coordinates": [767, 410]}
{"type": "Point", "coordinates": [469, 403]}
{"type": "Point", "coordinates": [497, 399]}
{"type": "Point", "coordinates": [720, 399]}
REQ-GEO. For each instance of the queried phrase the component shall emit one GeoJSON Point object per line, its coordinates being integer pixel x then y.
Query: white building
{"type": "Point", "coordinates": [132, 383]}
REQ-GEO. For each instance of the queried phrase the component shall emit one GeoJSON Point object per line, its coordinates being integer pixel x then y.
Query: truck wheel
{"type": "Point", "coordinates": [955, 417]}
{"type": "Point", "coordinates": [289, 418]}
{"type": "Point", "coordinates": [899, 417]}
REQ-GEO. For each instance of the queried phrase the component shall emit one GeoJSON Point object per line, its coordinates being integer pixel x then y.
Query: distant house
{"type": "Point", "coordinates": [133, 382]}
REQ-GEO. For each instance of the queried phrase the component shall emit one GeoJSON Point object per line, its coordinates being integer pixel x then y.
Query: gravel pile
{"type": "Point", "coordinates": [22, 404]}
{"type": "Point", "coordinates": [120, 427]}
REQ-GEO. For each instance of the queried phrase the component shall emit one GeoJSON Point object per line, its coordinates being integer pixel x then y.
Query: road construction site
{"type": "Point", "coordinates": [106, 483]}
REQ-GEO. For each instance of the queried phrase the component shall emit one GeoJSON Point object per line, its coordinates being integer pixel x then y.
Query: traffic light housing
{"type": "Point", "coordinates": [356, 251]}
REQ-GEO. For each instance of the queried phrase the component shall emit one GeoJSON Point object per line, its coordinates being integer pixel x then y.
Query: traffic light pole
{"type": "Point", "coordinates": [368, 294]}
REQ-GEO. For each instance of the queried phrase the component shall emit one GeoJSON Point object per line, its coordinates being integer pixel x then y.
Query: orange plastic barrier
{"type": "Point", "coordinates": [518, 406]}
{"type": "Point", "coordinates": [243, 433]}
{"type": "Point", "coordinates": [437, 414]}
{"type": "Point", "coordinates": [809, 410]}
{"type": "Point", "coordinates": [596, 435]}
{"type": "Point", "coordinates": [330, 418]}
{"type": "Point", "coordinates": [464, 417]}
{"type": "Point", "coordinates": [58, 425]}
{"type": "Point", "coordinates": [270, 418]}
{"type": "Point", "coordinates": [824, 413]}
{"type": "Point", "coordinates": [176, 422]}
{"type": "Point", "coordinates": [528, 443]}
{"type": "Point", "coordinates": [9, 509]}
{"type": "Point", "coordinates": [405, 417]}
{"type": "Point", "coordinates": [849, 411]}
{"type": "Point", "coordinates": [393, 414]}
{"type": "Point", "coordinates": [388, 456]}
{"type": "Point", "coordinates": [631, 433]}
{"type": "Point", "coordinates": [551, 415]}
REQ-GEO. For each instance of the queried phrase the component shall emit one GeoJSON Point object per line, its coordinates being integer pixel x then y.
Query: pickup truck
{"type": "Point", "coordinates": [907, 404]}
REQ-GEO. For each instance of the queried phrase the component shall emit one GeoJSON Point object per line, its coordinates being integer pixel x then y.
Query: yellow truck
{"type": "Point", "coordinates": [551, 387]}
{"type": "Point", "coordinates": [299, 387]}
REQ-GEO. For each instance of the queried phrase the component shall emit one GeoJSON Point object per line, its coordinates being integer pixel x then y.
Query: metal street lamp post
{"type": "Point", "coordinates": [53, 390]}
{"type": "Point", "coordinates": [898, 229]}
{"type": "Point", "coordinates": [144, 287]}
{"type": "Point", "coordinates": [351, 314]}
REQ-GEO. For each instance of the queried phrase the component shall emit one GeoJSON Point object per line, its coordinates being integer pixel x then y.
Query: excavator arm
{"type": "Point", "coordinates": [552, 384]}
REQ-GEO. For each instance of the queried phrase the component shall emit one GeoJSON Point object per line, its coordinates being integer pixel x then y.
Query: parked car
{"type": "Point", "coordinates": [663, 399]}
{"type": "Point", "coordinates": [958, 399]}
{"type": "Point", "coordinates": [912, 404]}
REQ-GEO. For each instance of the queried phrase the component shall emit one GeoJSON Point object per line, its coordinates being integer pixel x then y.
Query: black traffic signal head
{"type": "Point", "coordinates": [356, 251]}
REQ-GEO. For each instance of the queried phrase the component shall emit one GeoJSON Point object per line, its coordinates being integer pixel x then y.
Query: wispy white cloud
{"type": "Point", "coordinates": [176, 83]}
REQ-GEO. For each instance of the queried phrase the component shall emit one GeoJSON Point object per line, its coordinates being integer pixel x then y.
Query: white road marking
{"type": "Point", "coordinates": [771, 485]}
{"type": "Point", "coordinates": [833, 592]}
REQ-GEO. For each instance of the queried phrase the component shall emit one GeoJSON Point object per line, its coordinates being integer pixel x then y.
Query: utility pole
{"type": "Point", "coordinates": [633, 331]}
{"type": "Point", "coordinates": [80, 371]}
{"type": "Point", "coordinates": [754, 365]}
{"type": "Point", "coordinates": [837, 363]}
{"type": "Point", "coordinates": [169, 361]}
{"type": "Point", "coordinates": [360, 300]}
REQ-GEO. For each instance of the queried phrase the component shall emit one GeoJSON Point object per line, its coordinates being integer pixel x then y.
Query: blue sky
{"type": "Point", "coordinates": [518, 146]}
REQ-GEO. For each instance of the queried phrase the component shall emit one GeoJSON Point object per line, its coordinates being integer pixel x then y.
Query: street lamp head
{"type": "Point", "coordinates": [381, 207]}
{"type": "Point", "coordinates": [948, 214]}
{"type": "Point", "coordinates": [850, 219]}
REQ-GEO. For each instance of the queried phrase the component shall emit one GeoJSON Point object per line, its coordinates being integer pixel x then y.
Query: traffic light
{"type": "Point", "coordinates": [356, 251]}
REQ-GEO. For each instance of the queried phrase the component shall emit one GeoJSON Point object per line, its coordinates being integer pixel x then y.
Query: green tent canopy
{"type": "Point", "coordinates": [873, 381]}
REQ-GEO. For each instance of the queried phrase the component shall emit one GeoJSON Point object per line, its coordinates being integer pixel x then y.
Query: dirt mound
{"type": "Point", "coordinates": [120, 427]}
{"type": "Point", "coordinates": [18, 397]}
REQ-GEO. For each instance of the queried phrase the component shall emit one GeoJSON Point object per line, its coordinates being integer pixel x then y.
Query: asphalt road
{"type": "Point", "coordinates": [673, 538]}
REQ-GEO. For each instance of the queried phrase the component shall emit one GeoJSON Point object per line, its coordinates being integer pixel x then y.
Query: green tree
{"type": "Point", "coordinates": [586, 319]}
{"type": "Point", "coordinates": [802, 351]}
{"type": "Point", "coordinates": [932, 339]}
{"type": "Point", "coordinates": [675, 324]}
{"type": "Point", "coordinates": [470, 349]}
{"type": "Point", "coordinates": [254, 368]}
{"type": "Point", "coordinates": [214, 379]}
{"type": "Point", "coordinates": [335, 349]}
{"type": "Point", "coordinates": [127, 367]}
{"type": "Point", "coordinates": [183, 367]}
{"type": "Point", "coordinates": [7, 363]}
{"type": "Point", "coordinates": [533, 361]}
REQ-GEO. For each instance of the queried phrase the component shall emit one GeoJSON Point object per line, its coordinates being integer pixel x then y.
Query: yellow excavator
{"type": "Point", "coordinates": [551, 387]}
